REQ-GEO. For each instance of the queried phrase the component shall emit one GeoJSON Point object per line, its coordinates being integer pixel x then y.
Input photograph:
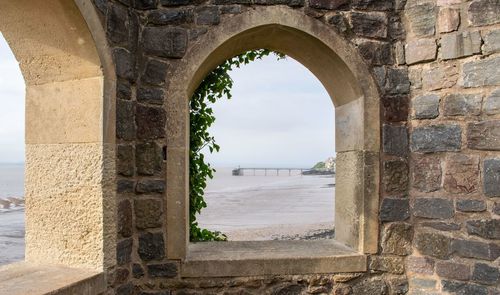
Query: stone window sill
{"type": "Point", "coordinates": [24, 278]}
{"type": "Point", "coordinates": [228, 259]}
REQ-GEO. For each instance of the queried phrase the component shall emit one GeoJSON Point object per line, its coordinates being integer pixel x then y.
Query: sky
{"type": "Point", "coordinates": [280, 115]}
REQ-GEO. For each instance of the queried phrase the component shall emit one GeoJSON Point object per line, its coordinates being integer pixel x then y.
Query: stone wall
{"type": "Point", "coordinates": [437, 65]}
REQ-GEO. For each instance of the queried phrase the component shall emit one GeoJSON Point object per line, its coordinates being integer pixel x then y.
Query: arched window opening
{"type": "Point", "coordinates": [12, 99]}
{"type": "Point", "coordinates": [274, 176]}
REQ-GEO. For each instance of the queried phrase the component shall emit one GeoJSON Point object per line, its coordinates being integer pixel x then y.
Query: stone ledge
{"type": "Point", "coordinates": [229, 259]}
{"type": "Point", "coordinates": [24, 278]}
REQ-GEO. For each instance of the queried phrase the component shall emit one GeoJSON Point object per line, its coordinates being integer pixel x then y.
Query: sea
{"type": "Point", "coordinates": [254, 206]}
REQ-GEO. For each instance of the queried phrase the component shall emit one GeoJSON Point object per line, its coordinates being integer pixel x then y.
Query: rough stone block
{"type": "Point", "coordinates": [491, 177]}
{"type": "Point", "coordinates": [208, 15]}
{"type": "Point", "coordinates": [451, 270]}
{"type": "Point", "coordinates": [394, 209]}
{"type": "Point", "coordinates": [421, 265]}
{"type": "Point", "coordinates": [151, 122]}
{"type": "Point", "coordinates": [422, 17]}
{"type": "Point", "coordinates": [150, 95]}
{"type": "Point", "coordinates": [125, 64]}
{"type": "Point", "coordinates": [420, 50]}
{"type": "Point", "coordinates": [170, 17]}
{"type": "Point", "coordinates": [421, 283]}
{"type": "Point", "coordinates": [474, 249]}
{"type": "Point", "coordinates": [491, 105]}
{"type": "Point", "coordinates": [496, 208]}
{"type": "Point", "coordinates": [485, 72]}
{"type": "Point", "coordinates": [395, 108]}
{"type": "Point", "coordinates": [484, 135]}
{"type": "Point", "coordinates": [125, 127]}
{"type": "Point", "coordinates": [125, 218]}
{"type": "Point", "coordinates": [327, 4]}
{"type": "Point", "coordinates": [137, 271]}
{"type": "Point", "coordinates": [371, 286]}
{"type": "Point", "coordinates": [434, 245]}
{"type": "Point", "coordinates": [145, 4]}
{"type": "Point", "coordinates": [397, 82]}
{"type": "Point", "coordinates": [148, 213]}
{"type": "Point", "coordinates": [148, 186]}
{"type": "Point", "coordinates": [397, 239]}
{"type": "Point", "coordinates": [395, 176]}
{"type": "Point", "coordinates": [484, 12]}
{"type": "Point", "coordinates": [491, 42]}
{"type": "Point", "coordinates": [372, 4]}
{"type": "Point", "coordinates": [485, 274]}
{"type": "Point", "coordinates": [439, 77]}
{"type": "Point", "coordinates": [462, 174]}
{"type": "Point", "coordinates": [148, 158]}
{"type": "Point", "coordinates": [376, 53]}
{"type": "Point", "coordinates": [427, 174]}
{"type": "Point", "coordinates": [442, 226]}
{"type": "Point", "coordinates": [151, 246]}
{"type": "Point", "coordinates": [448, 19]}
{"type": "Point", "coordinates": [468, 205]}
{"type": "Point", "coordinates": [426, 106]}
{"type": "Point", "coordinates": [458, 104]}
{"type": "Point", "coordinates": [436, 138]}
{"type": "Point", "coordinates": [458, 45]}
{"type": "Point", "coordinates": [125, 163]}
{"type": "Point", "coordinates": [125, 186]}
{"type": "Point", "coordinates": [124, 251]}
{"type": "Point", "coordinates": [165, 41]}
{"type": "Point", "coordinates": [372, 24]}
{"type": "Point", "coordinates": [166, 270]}
{"type": "Point", "coordinates": [463, 288]}
{"type": "Point", "coordinates": [485, 228]}
{"type": "Point", "coordinates": [395, 140]}
{"type": "Point", "coordinates": [155, 72]}
{"type": "Point", "coordinates": [433, 208]}
{"type": "Point", "coordinates": [388, 264]}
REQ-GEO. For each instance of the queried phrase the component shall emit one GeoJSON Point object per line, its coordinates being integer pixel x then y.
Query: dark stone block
{"type": "Point", "coordinates": [420, 264]}
{"type": "Point", "coordinates": [121, 276]}
{"type": "Point", "coordinates": [484, 12]}
{"type": "Point", "coordinates": [395, 108]}
{"type": "Point", "coordinates": [124, 251]}
{"type": "Point", "coordinates": [127, 289]}
{"type": "Point", "coordinates": [123, 90]}
{"type": "Point", "coordinates": [125, 219]}
{"type": "Point", "coordinates": [451, 270]}
{"type": "Point", "coordinates": [469, 205]}
{"type": "Point", "coordinates": [125, 186]}
{"type": "Point", "coordinates": [473, 249]}
{"type": "Point", "coordinates": [166, 270]}
{"type": "Point", "coordinates": [373, 4]}
{"type": "Point", "coordinates": [421, 17]}
{"type": "Point", "coordinates": [459, 104]}
{"type": "Point", "coordinates": [293, 289]}
{"type": "Point", "coordinates": [125, 64]}
{"type": "Point", "coordinates": [394, 209]}
{"type": "Point", "coordinates": [376, 53]}
{"type": "Point", "coordinates": [175, 2]}
{"type": "Point", "coordinates": [231, 2]}
{"type": "Point", "coordinates": [148, 213]}
{"type": "Point", "coordinates": [150, 95]}
{"type": "Point", "coordinates": [150, 186]}
{"type": "Point", "coordinates": [155, 72]}
{"type": "Point", "coordinates": [395, 176]}
{"type": "Point", "coordinates": [426, 106]}
{"type": "Point", "coordinates": [485, 274]}
{"type": "Point", "coordinates": [151, 122]}
{"type": "Point", "coordinates": [145, 4]}
{"type": "Point", "coordinates": [390, 264]}
{"type": "Point", "coordinates": [427, 173]}
{"type": "Point", "coordinates": [442, 226]}
{"type": "Point", "coordinates": [327, 4]}
{"type": "Point", "coordinates": [397, 82]}
{"type": "Point", "coordinates": [339, 22]}
{"type": "Point", "coordinates": [434, 245]}
{"type": "Point", "coordinates": [148, 158]}
{"type": "Point", "coordinates": [125, 127]}
{"type": "Point", "coordinates": [165, 41]}
{"type": "Point", "coordinates": [371, 286]}
{"type": "Point", "coordinates": [151, 246]}
{"type": "Point", "coordinates": [462, 174]}
{"type": "Point", "coordinates": [101, 5]}
{"type": "Point", "coordinates": [395, 140]}
{"type": "Point", "coordinates": [496, 208]}
{"type": "Point", "coordinates": [436, 138]}
{"type": "Point", "coordinates": [488, 229]}
{"type": "Point", "coordinates": [461, 288]}
{"type": "Point", "coordinates": [491, 177]}
{"type": "Point", "coordinates": [170, 17]}
{"type": "Point", "coordinates": [208, 15]}
{"type": "Point", "coordinates": [373, 25]}
{"type": "Point", "coordinates": [125, 163]}
{"type": "Point", "coordinates": [137, 271]}
{"type": "Point", "coordinates": [433, 208]}
{"type": "Point", "coordinates": [117, 24]}
{"type": "Point", "coordinates": [484, 135]}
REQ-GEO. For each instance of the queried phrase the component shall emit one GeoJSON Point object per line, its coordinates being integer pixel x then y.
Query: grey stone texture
{"type": "Point", "coordinates": [463, 288]}
{"type": "Point", "coordinates": [434, 245]}
{"type": "Point", "coordinates": [427, 173]}
{"type": "Point", "coordinates": [451, 270]}
{"type": "Point", "coordinates": [458, 104]}
{"type": "Point", "coordinates": [448, 19]}
{"type": "Point", "coordinates": [485, 228]}
{"type": "Point", "coordinates": [151, 246]}
{"type": "Point", "coordinates": [491, 178]}
{"type": "Point", "coordinates": [484, 12]}
{"type": "Point", "coordinates": [395, 176]}
{"type": "Point", "coordinates": [468, 205]}
{"type": "Point", "coordinates": [491, 41]}
{"type": "Point", "coordinates": [397, 239]}
{"type": "Point", "coordinates": [440, 77]}
{"type": "Point", "coordinates": [165, 42]}
{"type": "Point", "coordinates": [394, 209]}
{"type": "Point", "coordinates": [484, 135]}
{"type": "Point", "coordinates": [458, 45]}
{"type": "Point", "coordinates": [436, 138]}
{"type": "Point", "coordinates": [422, 17]}
{"type": "Point", "coordinates": [491, 104]}
{"type": "Point", "coordinates": [148, 213]}
{"type": "Point", "coordinates": [435, 208]}
{"type": "Point", "coordinates": [475, 249]}
{"type": "Point", "coordinates": [485, 274]}
{"type": "Point", "coordinates": [479, 73]}
{"type": "Point", "coordinates": [420, 50]}
{"type": "Point", "coordinates": [369, 24]}
{"type": "Point", "coordinates": [420, 265]}
{"type": "Point", "coordinates": [426, 106]}
{"type": "Point", "coordinates": [462, 174]}
{"type": "Point", "coordinates": [395, 140]}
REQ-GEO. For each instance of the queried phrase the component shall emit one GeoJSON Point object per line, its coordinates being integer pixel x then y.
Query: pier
{"type": "Point", "coordinates": [267, 171]}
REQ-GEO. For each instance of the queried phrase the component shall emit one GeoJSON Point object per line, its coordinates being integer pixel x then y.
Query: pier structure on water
{"type": "Point", "coordinates": [268, 171]}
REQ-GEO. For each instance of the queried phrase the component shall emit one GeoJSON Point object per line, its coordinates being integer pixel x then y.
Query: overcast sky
{"type": "Point", "coordinates": [280, 115]}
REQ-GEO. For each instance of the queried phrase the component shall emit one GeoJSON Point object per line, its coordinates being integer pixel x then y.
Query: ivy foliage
{"type": "Point", "coordinates": [215, 86]}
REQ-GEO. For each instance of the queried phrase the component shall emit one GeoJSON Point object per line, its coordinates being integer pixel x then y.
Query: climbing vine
{"type": "Point", "coordinates": [215, 86]}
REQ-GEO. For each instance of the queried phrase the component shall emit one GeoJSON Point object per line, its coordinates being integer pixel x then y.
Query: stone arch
{"type": "Point", "coordinates": [340, 68]}
{"type": "Point", "coordinates": [70, 133]}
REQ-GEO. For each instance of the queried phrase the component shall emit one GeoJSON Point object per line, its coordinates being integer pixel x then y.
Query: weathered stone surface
{"type": "Point", "coordinates": [125, 218]}
{"type": "Point", "coordinates": [376, 53]}
{"type": "Point", "coordinates": [462, 174]}
{"type": "Point", "coordinates": [151, 246]}
{"type": "Point", "coordinates": [155, 72]}
{"type": "Point", "coordinates": [397, 239]}
{"type": "Point", "coordinates": [420, 50]}
{"type": "Point", "coordinates": [434, 245]}
{"type": "Point", "coordinates": [147, 186]}
{"type": "Point", "coordinates": [473, 249]}
{"type": "Point", "coordinates": [485, 274]}
{"type": "Point", "coordinates": [372, 24]}
{"type": "Point", "coordinates": [125, 186]}
{"type": "Point", "coordinates": [459, 104]}
{"type": "Point", "coordinates": [121, 276]}
{"type": "Point", "coordinates": [137, 271]}
{"type": "Point", "coordinates": [124, 251]}
{"type": "Point", "coordinates": [165, 41]}
{"type": "Point", "coordinates": [117, 23]}
{"type": "Point", "coordinates": [398, 286]}
{"type": "Point", "coordinates": [145, 4]}
{"type": "Point", "coordinates": [485, 72]}
{"type": "Point", "coordinates": [395, 176]}
{"type": "Point", "coordinates": [484, 12]}
{"type": "Point", "coordinates": [491, 105]}
{"type": "Point", "coordinates": [496, 208]}
{"type": "Point", "coordinates": [442, 226]}
{"type": "Point", "coordinates": [421, 265]}
{"type": "Point", "coordinates": [167, 270]}
{"type": "Point", "coordinates": [126, 289]}
{"type": "Point", "coordinates": [150, 95]}
{"type": "Point", "coordinates": [426, 106]}
{"type": "Point", "coordinates": [427, 174]}
{"type": "Point", "coordinates": [484, 135]}
{"type": "Point", "coordinates": [151, 122]}
{"type": "Point", "coordinates": [491, 177]}
{"type": "Point", "coordinates": [208, 15]}
{"type": "Point", "coordinates": [326, 4]}
{"type": "Point", "coordinates": [458, 45]}
{"type": "Point", "coordinates": [436, 138]}
{"type": "Point", "coordinates": [448, 19]}
{"type": "Point", "coordinates": [439, 76]}
{"type": "Point", "coordinates": [463, 288]}
{"type": "Point", "coordinates": [394, 209]}
{"type": "Point", "coordinates": [389, 264]}
{"type": "Point", "coordinates": [485, 228]}
{"type": "Point", "coordinates": [148, 158]}
{"type": "Point", "coordinates": [148, 213]}
{"type": "Point", "coordinates": [125, 64]}
{"type": "Point", "coordinates": [125, 127]}
{"type": "Point", "coordinates": [371, 286]}
{"type": "Point", "coordinates": [468, 205]}
{"type": "Point", "coordinates": [451, 270]}
{"type": "Point", "coordinates": [433, 208]}
{"type": "Point", "coordinates": [491, 42]}
{"type": "Point", "coordinates": [123, 90]}
{"type": "Point", "coordinates": [395, 140]}
{"type": "Point", "coordinates": [422, 17]}
{"type": "Point", "coordinates": [170, 17]}
{"type": "Point", "coordinates": [125, 163]}
{"type": "Point", "coordinates": [372, 4]}
{"type": "Point", "coordinates": [399, 53]}
{"type": "Point", "coordinates": [397, 82]}
{"type": "Point", "coordinates": [421, 283]}
{"type": "Point", "coordinates": [395, 108]}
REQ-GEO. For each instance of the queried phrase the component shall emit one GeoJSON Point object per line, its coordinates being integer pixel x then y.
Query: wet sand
{"type": "Point", "coordinates": [11, 236]}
